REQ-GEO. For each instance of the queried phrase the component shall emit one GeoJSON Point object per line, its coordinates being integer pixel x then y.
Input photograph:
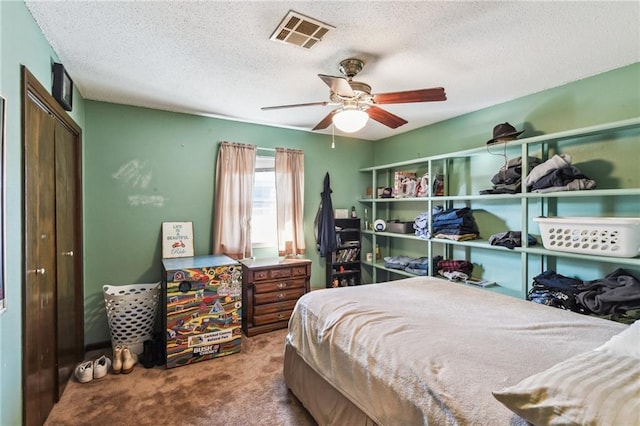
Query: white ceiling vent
{"type": "Point", "coordinates": [300, 30]}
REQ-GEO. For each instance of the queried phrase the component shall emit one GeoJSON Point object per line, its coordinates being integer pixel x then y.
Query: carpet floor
{"type": "Point", "coordinates": [246, 388]}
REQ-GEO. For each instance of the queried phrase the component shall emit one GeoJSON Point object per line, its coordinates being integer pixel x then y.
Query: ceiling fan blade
{"type": "Point", "coordinates": [385, 117]}
{"type": "Point", "coordinates": [422, 95]}
{"type": "Point", "coordinates": [325, 122]}
{"type": "Point", "coordinates": [294, 105]}
{"type": "Point", "coordinates": [338, 85]}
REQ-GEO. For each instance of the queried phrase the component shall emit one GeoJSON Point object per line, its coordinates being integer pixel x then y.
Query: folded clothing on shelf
{"type": "Point", "coordinates": [510, 239]}
{"type": "Point", "coordinates": [449, 265]}
{"type": "Point", "coordinates": [508, 180]}
{"type": "Point", "coordinates": [557, 174]}
{"type": "Point", "coordinates": [416, 266]}
{"type": "Point", "coordinates": [455, 222]}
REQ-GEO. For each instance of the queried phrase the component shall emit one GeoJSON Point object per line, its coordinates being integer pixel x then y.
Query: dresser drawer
{"type": "Point", "coordinates": [299, 271]}
{"type": "Point", "coordinates": [279, 285]}
{"type": "Point", "coordinates": [270, 318]}
{"type": "Point", "coordinates": [272, 274]}
{"type": "Point", "coordinates": [274, 307]}
{"type": "Point", "coordinates": [278, 296]}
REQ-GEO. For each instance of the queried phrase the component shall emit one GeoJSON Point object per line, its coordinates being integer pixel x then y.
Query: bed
{"type": "Point", "coordinates": [428, 351]}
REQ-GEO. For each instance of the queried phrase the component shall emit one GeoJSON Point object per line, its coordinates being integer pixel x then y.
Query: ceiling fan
{"type": "Point", "coordinates": [356, 104]}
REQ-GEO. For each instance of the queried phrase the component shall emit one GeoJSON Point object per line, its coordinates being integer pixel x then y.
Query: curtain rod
{"type": "Point", "coordinates": [265, 149]}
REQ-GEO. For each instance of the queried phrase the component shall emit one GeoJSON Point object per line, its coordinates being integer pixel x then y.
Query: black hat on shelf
{"type": "Point", "coordinates": [503, 131]}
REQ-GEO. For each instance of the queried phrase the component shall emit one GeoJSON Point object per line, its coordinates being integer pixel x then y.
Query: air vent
{"type": "Point", "coordinates": [300, 30]}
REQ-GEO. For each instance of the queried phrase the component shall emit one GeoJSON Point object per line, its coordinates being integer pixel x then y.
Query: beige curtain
{"type": "Point", "coordinates": [290, 200]}
{"type": "Point", "coordinates": [235, 170]}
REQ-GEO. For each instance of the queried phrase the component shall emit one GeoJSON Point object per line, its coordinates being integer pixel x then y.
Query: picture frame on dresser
{"type": "Point", "coordinates": [177, 239]}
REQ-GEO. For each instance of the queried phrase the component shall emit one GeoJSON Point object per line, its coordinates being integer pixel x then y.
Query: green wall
{"type": "Point", "coordinates": [611, 96]}
{"type": "Point", "coordinates": [144, 167]}
{"type": "Point", "coordinates": [21, 43]}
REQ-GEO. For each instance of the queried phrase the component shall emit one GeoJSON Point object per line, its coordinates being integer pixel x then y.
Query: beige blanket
{"type": "Point", "coordinates": [427, 351]}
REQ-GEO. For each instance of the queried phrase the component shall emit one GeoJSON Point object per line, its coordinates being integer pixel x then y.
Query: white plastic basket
{"type": "Point", "coordinates": [603, 236]}
{"type": "Point", "coordinates": [131, 311]}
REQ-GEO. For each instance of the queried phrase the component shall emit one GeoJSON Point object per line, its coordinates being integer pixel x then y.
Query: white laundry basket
{"type": "Point", "coordinates": [603, 236]}
{"type": "Point", "coordinates": [131, 311]}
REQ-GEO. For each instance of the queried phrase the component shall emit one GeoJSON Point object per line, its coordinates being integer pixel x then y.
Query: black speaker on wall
{"type": "Point", "coordinates": [62, 87]}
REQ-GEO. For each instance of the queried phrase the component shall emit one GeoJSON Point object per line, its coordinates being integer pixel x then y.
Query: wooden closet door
{"type": "Point", "coordinates": [53, 301]}
{"type": "Point", "coordinates": [70, 311]}
{"type": "Point", "coordinates": [39, 293]}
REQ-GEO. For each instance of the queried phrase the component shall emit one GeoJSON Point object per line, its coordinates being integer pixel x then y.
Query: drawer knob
{"type": "Point", "coordinates": [281, 316]}
{"type": "Point", "coordinates": [281, 296]}
{"type": "Point", "coordinates": [282, 285]}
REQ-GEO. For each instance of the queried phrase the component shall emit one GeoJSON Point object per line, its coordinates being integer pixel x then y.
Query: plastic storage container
{"type": "Point", "coordinates": [400, 227]}
{"type": "Point", "coordinates": [601, 236]}
{"type": "Point", "coordinates": [131, 311]}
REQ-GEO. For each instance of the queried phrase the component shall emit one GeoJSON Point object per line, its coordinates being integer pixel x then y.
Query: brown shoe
{"type": "Point", "coordinates": [117, 359]}
{"type": "Point", "coordinates": [129, 360]}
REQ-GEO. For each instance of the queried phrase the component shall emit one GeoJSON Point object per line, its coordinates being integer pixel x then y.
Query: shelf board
{"type": "Point", "coordinates": [395, 235]}
{"type": "Point", "coordinates": [345, 272]}
{"type": "Point", "coordinates": [538, 250]}
{"type": "Point", "coordinates": [476, 243]}
{"type": "Point", "coordinates": [586, 193]}
{"type": "Point", "coordinates": [380, 265]}
{"type": "Point", "coordinates": [633, 261]}
{"type": "Point", "coordinates": [346, 263]}
{"type": "Point", "coordinates": [513, 197]}
{"type": "Point", "coordinates": [552, 137]}
{"type": "Point", "coordinates": [393, 200]}
{"type": "Point", "coordinates": [495, 288]}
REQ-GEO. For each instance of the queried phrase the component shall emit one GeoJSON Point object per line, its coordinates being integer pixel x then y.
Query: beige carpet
{"type": "Point", "coordinates": [240, 389]}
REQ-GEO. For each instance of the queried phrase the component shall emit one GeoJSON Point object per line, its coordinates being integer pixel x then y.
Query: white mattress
{"type": "Point", "coordinates": [427, 351]}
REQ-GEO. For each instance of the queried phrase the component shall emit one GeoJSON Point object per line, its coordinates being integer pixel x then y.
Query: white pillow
{"type": "Point", "coordinates": [627, 342]}
{"type": "Point", "coordinates": [594, 388]}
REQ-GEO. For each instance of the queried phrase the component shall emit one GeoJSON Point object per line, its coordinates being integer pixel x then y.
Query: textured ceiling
{"type": "Point", "coordinates": [215, 58]}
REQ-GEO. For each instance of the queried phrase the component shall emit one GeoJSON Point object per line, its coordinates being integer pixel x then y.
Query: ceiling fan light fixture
{"type": "Point", "coordinates": [350, 120]}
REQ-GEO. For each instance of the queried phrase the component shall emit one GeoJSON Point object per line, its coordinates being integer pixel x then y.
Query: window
{"type": "Point", "coordinates": [264, 220]}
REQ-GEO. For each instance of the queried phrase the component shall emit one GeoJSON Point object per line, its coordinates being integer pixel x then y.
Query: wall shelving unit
{"type": "Point", "coordinates": [596, 148]}
{"type": "Point", "coordinates": [343, 266]}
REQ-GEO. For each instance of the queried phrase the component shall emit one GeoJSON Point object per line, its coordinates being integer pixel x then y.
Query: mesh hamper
{"type": "Point", "coordinates": [131, 311]}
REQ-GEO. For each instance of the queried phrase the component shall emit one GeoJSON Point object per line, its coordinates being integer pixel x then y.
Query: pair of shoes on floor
{"type": "Point", "coordinates": [89, 370]}
{"type": "Point", "coordinates": [153, 353]}
{"type": "Point", "coordinates": [123, 360]}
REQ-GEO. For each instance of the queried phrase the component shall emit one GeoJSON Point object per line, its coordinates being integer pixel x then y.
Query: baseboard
{"type": "Point", "coordinates": [97, 346]}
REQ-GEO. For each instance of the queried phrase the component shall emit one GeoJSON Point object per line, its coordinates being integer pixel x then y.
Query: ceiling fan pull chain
{"type": "Point", "coordinates": [333, 136]}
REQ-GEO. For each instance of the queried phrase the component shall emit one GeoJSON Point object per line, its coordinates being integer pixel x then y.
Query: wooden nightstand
{"type": "Point", "coordinates": [270, 290]}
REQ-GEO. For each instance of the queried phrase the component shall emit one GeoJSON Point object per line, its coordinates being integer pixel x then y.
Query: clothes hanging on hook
{"type": "Point", "coordinates": [325, 222]}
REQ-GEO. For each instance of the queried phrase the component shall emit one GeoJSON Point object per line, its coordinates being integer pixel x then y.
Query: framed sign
{"type": "Point", "coordinates": [3, 294]}
{"type": "Point", "coordinates": [177, 239]}
{"type": "Point", "coordinates": [62, 87]}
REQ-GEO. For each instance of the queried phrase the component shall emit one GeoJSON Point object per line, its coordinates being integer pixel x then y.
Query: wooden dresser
{"type": "Point", "coordinates": [270, 290]}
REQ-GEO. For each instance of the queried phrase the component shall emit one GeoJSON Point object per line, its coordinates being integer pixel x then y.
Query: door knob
{"type": "Point", "coordinates": [67, 253]}
{"type": "Point", "coordinates": [37, 271]}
